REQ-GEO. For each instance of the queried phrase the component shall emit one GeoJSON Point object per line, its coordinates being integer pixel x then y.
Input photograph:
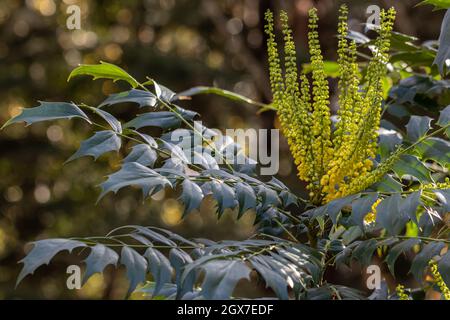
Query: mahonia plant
{"type": "Point", "coordinates": [340, 162]}
{"type": "Point", "coordinates": [373, 191]}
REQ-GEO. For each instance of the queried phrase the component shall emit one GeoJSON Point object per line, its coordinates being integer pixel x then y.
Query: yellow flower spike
{"type": "Point", "coordinates": [321, 116]}
{"type": "Point", "coordinates": [334, 164]}
{"type": "Point", "coordinates": [445, 291]}
{"type": "Point", "coordinates": [293, 104]}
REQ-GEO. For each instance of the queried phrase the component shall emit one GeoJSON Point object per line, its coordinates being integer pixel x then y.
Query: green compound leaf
{"type": "Point", "coordinates": [103, 70]}
{"type": "Point", "coordinates": [48, 111]}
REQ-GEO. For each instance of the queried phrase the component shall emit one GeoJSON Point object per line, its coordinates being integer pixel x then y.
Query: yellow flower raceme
{"type": "Point", "coordinates": [336, 163]}
{"type": "Point", "coordinates": [438, 185]}
{"type": "Point", "coordinates": [438, 280]}
{"type": "Point", "coordinates": [362, 182]}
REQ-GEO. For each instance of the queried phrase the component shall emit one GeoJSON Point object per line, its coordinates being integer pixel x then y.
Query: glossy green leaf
{"type": "Point", "coordinates": [205, 160]}
{"type": "Point", "coordinates": [411, 165]}
{"type": "Point", "coordinates": [98, 259]}
{"type": "Point", "coordinates": [110, 119]}
{"type": "Point", "coordinates": [286, 196]}
{"type": "Point", "coordinates": [179, 259]}
{"type": "Point", "coordinates": [364, 251]}
{"type": "Point", "coordinates": [443, 196]}
{"type": "Point", "coordinates": [160, 268]}
{"type": "Point", "coordinates": [222, 193]}
{"type": "Point", "coordinates": [444, 268]}
{"type": "Point", "coordinates": [48, 111]}
{"type": "Point", "coordinates": [220, 92]}
{"type": "Point", "coordinates": [162, 119]}
{"type": "Point", "coordinates": [443, 54]}
{"type": "Point", "coordinates": [389, 140]}
{"type": "Point", "coordinates": [141, 97]}
{"type": "Point", "coordinates": [103, 70]}
{"type": "Point", "coordinates": [333, 208]}
{"type": "Point", "coordinates": [410, 204]}
{"type": "Point", "coordinates": [142, 154]}
{"type": "Point", "coordinates": [351, 234]}
{"type": "Point", "coordinates": [272, 279]}
{"type": "Point", "coordinates": [100, 143]}
{"type": "Point", "coordinates": [439, 4]}
{"type": "Point", "coordinates": [387, 184]}
{"type": "Point", "coordinates": [417, 127]}
{"type": "Point", "coordinates": [191, 196]}
{"type": "Point", "coordinates": [444, 117]}
{"type": "Point", "coordinates": [389, 215]}
{"type": "Point", "coordinates": [421, 260]}
{"type": "Point", "coordinates": [42, 252]}
{"type": "Point", "coordinates": [361, 207]}
{"type": "Point", "coordinates": [136, 267]}
{"type": "Point", "coordinates": [154, 236]}
{"type": "Point", "coordinates": [444, 120]}
{"type": "Point", "coordinates": [435, 149]}
{"type": "Point", "coordinates": [221, 277]}
{"type": "Point", "coordinates": [133, 173]}
{"type": "Point", "coordinates": [163, 93]}
{"type": "Point", "coordinates": [246, 197]}
{"type": "Point", "coordinates": [268, 197]}
{"type": "Point", "coordinates": [398, 249]}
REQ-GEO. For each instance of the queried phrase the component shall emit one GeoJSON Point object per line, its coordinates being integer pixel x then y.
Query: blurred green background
{"type": "Point", "coordinates": [181, 44]}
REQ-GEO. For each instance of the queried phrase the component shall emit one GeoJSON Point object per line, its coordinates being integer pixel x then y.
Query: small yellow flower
{"type": "Point", "coordinates": [401, 293]}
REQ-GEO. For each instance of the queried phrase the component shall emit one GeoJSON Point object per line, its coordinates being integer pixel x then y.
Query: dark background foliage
{"type": "Point", "coordinates": [181, 44]}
